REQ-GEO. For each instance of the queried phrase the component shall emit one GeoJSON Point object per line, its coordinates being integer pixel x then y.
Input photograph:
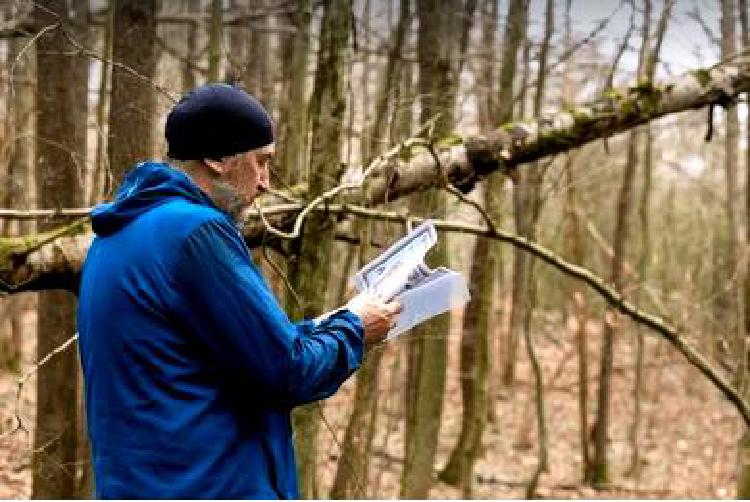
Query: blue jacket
{"type": "Point", "coordinates": [191, 367]}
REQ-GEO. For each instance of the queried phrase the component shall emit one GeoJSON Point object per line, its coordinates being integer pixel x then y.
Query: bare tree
{"type": "Point", "coordinates": [60, 159]}
{"type": "Point", "coordinates": [515, 31]}
{"type": "Point", "coordinates": [19, 185]}
{"type": "Point", "coordinates": [311, 266]}
{"type": "Point", "coordinates": [646, 67]}
{"type": "Point", "coordinates": [351, 473]}
{"type": "Point", "coordinates": [132, 104]}
{"type": "Point", "coordinates": [478, 322]}
{"type": "Point", "coordinates": [743, 455]}
{"type": "Point", "coordinates": [438, 85]}
{"type": "Point", "coordinates": [215, 40]}
{"type": "Point", "coordinates": [294, 145]}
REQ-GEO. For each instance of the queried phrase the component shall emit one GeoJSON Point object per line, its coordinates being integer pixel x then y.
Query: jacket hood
{"type": "Point", "coordinates": [148, 185]}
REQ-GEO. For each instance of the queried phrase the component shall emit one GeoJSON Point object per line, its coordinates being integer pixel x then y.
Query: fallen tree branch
{"type": "Point", "coordinates": [610, 295]}
{"type": "Point", "coordinates": [36, 214]}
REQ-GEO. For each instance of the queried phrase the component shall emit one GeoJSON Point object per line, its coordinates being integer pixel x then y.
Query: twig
{"type": "Point", "coordinates": [295, 233]}
{"type": "Point", "coordinates": [173, 97]}
{"type": "Point", "coordinates": [280, 273]}
{"type": "Point", "coordinates": [608, 293]}
{"type": "Point", "coordinates": [21, 53]}
{"type": "Point", "coordinates": [357, 481]}
{"type": "Point", "coordinates": [572, 50]}
{"type": "Point", "coordinates": [34, 214]}
{"type": "Point", "coordinates": [92, 54]}
{"type": "Point", "coordinates": [379, 162]}
{"type": "Point", "coordinates": [19, 425]}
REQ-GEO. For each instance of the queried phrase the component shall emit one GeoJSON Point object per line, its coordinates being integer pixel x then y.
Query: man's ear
{"type": "Point", "coordinates": [214, 166]}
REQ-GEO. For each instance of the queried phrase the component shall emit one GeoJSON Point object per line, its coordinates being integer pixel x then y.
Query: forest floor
{"type": "Point", "coordinates": [687, 439]}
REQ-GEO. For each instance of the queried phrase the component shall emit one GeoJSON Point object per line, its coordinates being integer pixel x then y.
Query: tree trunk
{"type": "Point", "coordinates": [20, 109]}
{"type": "Point", "coordinates": [652, 57]}
{"type": "Point", "coordinates": [649, 56]}
{"type": "Point", "coordinates": [438, 85]}
{"type": "Point", "coordinates": [101, 182]}
{"type": "Point", "coordinates": [132, 105]}
{"type": "Point", "coordinates": [726, 291]}
{"type": "Point", "coordinates": [311, 265]}
{"type": "Point", "coordinates": [258, 75]}
{"type": "Point", "coordinates": [351, 472]}
{"type": "Point", "coordinates": [60, 153]}
{"type": "Point", "coordinates": [363, 40]}
{"type": "Point", "coordinates": [480, 155]}
{"type": "Point", "coordinates": [515, 30]}
{"type": "Point", "coordinates": [479, 317]}
{"type": "Point", "coordinates": [599, 474]}
{"type": "Point", "coordinates": [536, 178]}
{"type": "Point", "coordinates": [475, 361]}
{"type": "Point", "coordinates": [187, 74]}
{"type": "Point", "coordinates": [215, 41]}
{"type": "Point", "coordinates": [743, 474]}
{"type": "Point", "coordinates": [574, 252]}
{"type": "Point", "coordinates": [294, 152]}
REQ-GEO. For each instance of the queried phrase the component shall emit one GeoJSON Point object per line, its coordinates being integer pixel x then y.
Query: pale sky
{"type": "Point", "coordinates": [685, 45]}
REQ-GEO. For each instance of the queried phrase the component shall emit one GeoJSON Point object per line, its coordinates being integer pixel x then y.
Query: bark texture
{"type": "Point", "coordinates": [504, 148]}
{"type": "Point", "coordinates": [438, 85]}
{"type": "Point", "coordinates": [649, 55]}
{"type": "Point", "coordinates": [132, 111]}
{"type": "Point", "coordinates": [60, 158]}
{"type": "Point", "coordinates": [310, 268]}
{"type": "Point", "coordinates": [18, 188]}
{"type": "Point", "coordinates": [294, 139]}
{"type": "Point", "coordinates": [351, 479]}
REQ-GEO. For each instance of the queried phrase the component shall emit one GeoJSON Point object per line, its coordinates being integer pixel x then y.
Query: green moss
{"type": "Point", "coordinates": [25, 244]}
{"type": "Point", "coordinates": [643, 98]}
{"type": "Point", "coordinates": [564, 137]}
{"type": "Point", "coordinates": [580, 115]}
{"type": "Point", "coordinates": [406, 153]}
{"type": "Point", "coordinates": [612, 93]}
{"type": "Point", "coordinates": [627, 107]}
{"type": "Point", "coordinates": [452, 139]}
{"type": "Point", "coordinates": [599, 474]}
{"type": "Point", "coordinates": [643, 87]}
{"type": "Point", "coordinates": [299, 190]}
{"type": "Point", "coordinates": [6, 249]}
{"type": "Point", "coordinates": [702, 75]}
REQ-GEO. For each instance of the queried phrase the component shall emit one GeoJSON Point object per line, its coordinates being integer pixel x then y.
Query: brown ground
{"type": "Point", "coordinates": [687, 441]}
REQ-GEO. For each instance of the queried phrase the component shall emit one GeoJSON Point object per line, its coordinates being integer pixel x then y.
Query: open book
{"type": "Point", "coordinates": [401, 274]}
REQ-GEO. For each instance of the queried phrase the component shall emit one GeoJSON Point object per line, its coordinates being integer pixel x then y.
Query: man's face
{"type": "Point", "coordinates": [248, 173]}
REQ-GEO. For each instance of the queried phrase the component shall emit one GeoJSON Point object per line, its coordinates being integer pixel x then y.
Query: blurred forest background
{"type": "Point", "coordinates": [608, 359]}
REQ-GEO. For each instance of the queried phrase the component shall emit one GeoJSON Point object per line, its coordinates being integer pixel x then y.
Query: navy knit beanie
{"type": "Point", "coordinates": [214, 121]}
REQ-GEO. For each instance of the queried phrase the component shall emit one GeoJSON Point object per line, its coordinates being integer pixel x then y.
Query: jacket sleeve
{"type": "Point", "coordinates": [222, 300]}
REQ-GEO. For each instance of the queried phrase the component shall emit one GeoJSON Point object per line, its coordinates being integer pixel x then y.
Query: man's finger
{"type": "Point", "coordinates": [393, 307]}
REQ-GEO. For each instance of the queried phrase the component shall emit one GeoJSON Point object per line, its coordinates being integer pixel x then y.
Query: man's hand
{"type": "Point", "coordinates": [377, 317]}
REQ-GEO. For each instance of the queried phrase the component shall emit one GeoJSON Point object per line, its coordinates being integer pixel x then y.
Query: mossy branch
{"type": "Point", "coordinates": [15, 249]}
{"type": "Point", "coordinates": [465, 160]}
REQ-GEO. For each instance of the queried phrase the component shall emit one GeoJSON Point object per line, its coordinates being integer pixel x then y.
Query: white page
{"type": "Point", "coordinates": [385, 275]}
{"type": "Point", "coordinates": [400, 274]}
{"type": "Point", "coordinates": [444, 290]}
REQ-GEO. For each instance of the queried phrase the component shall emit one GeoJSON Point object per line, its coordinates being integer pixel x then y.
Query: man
{"type": "Point", "coordinates": [190, 366]}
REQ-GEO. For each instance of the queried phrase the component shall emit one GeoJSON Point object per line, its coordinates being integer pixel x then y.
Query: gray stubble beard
{"type": "Point", "coordinates": [227, 198]}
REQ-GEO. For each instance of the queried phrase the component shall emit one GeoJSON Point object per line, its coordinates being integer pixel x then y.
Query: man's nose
{"type": "Point", "coordinates": [264, 182]}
